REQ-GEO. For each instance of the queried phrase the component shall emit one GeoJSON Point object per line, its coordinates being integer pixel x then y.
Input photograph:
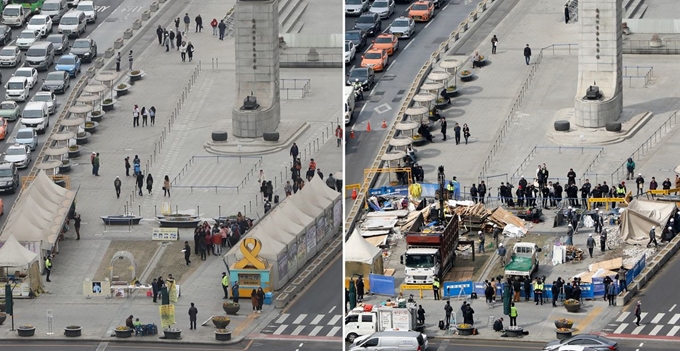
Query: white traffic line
{"type": "Point", "coordinates": [428, 24]}
{"type": "Point", "coordinates": [390, 65]}
{"type": "Point", "coordinates": [362, 109]}
{"type": "Point", "coordinates": [407, 45]}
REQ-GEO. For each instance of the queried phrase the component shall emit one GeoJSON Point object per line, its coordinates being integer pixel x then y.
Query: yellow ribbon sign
{"type": "Point", "coordinates": [250, 248]}
{"type": "Point", "coordinates": [167, 315]}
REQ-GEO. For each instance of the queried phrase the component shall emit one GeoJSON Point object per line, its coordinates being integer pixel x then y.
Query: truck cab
{"type": "Point", "coordinates": [421, 265]}
{"type": "Point", "coordinates": [524, 261]}
{"type": "Point", "coordinates": [15, 15]}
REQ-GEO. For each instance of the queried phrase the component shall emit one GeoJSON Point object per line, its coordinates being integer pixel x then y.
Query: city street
{"type": "Point", "coordinates": [245, 345]}
{"type": "Point", "coordinates": [516, 345]}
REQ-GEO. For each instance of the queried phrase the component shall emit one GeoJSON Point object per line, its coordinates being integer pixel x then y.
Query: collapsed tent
{"type": "Point", "coordinates": [639, 218]}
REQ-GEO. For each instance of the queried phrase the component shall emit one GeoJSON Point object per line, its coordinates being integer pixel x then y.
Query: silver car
{"type": "Point", "coordinates": [28, 137]}
{"type": "Point", "coordinates": [20, 155]}
{"type": "Point", "coordinates": [403, 27]}
{"type": "Point", "coordinates": [384, 8]}
{"type": "Point", "coordinates": [356, 7]}
{"type": "Point", "coordinates": [47, 97]}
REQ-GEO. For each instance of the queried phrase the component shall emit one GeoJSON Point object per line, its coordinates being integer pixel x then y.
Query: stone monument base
{"type": "Point", "coordinates": [631, 122]}
{"type": "Point", "coordinates": [289, 131]}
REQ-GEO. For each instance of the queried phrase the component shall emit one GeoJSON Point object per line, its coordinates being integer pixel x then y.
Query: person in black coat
{"type": "Point", "coordinates": [187, 252]}
{"type": "Point", "coordinates": [154, 289]}
{"type": "Point", "coordinates": [203, 247]}
{"type": "Point", "coordinates": [555, 293]}
{"type": "Point", "coordinates": [197, 237]}
{"type": "Point", "coordinates": [421, 314]}
{"type": "Point", "coordinates": [443, 124]}
{"type": "Point", "coordinates": [159, 34]}
{"type": "Point", "coordinates": [149, 183]}
{"type": "Point", "coordinates": [140, 183]}
{"type": "Point", "coordinates": [360, 289]}
{"type": "Point", "coordinates": [260, 299]}
{"type": "Point", "coordinates": [527, 289]}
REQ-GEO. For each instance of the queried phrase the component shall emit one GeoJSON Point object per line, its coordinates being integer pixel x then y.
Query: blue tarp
{"type": "Point", "coordinates": [453, 289]}
{"type": "Point", "coordinates": [381, 285]}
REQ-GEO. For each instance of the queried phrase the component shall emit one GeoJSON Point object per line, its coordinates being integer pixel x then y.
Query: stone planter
{"type": "Point", "coordinates": [109, 106]}
{"type": "Point", "coordinates": [473, 15]}
{"type": "Point", "coordinates": [127, 34]}
{"type": "Point", "coordinates": [26, 331]}
{"type": "Point", "coordinates": [97, 117]}
{"type": "Point", "coordinates": [82, 140]}
{"type": "Point", "coordinates": [121, 90]}
{"type": "Point", "coordinates": [118, 43]}
{"type": "Point", "coordinates": [123, 334]}
{"type": "Point", "coordinates": [65, 168]}
{"type": "Point", "coordinates": [442, 104]}
{"type": "Point", "coordinates": [573, 308]}
{"type": "Point", "coordinates": [219, 324]}
{"type": "Point", "coordinates": [91, 127]}
{"type": "Point", "coordinates": [230, 308]}
{"type": "Point", "coordinates": [452, 90]}
{"type": "Point", "coordinates": [466, 77]}
{"type": "Point", "coordinates": [74, 153]}
{"type": "Point", "coordinates": [172, 334]}
{"type": "Point", "coordinates": [463, 26]}
{"type": "Point", "coordinates": [515, 332]}
{"type": "Point", "coordinates": [3, 317]}
{"type": "Point", "coordinates": [73, 332]}
{"type": "Point", "coordinates": [222, 336]}
{"type": "Point", "coordinates": [464, 331]}
{"type": "Point", "coordinates": [564, 334]}
{"type": "Point", "coordinates": [138, 75]}
{"type": "Point", "coordinates": [482, 6]}
{"type": "Point", "coordinates": [564, 325]}
{"type": "Point", "coordinates": [90, 72]}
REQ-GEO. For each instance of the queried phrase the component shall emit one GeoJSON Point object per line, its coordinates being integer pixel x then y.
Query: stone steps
{"type": "Point", "coordinates": [290, 12]}
{"type": "Point", "coordinates": [634, 9]}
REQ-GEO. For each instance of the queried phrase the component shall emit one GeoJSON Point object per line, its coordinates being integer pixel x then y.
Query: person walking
{"type": "Point", "coordinates": [630, 167]}
{"type": "Point", "coordinates": [513, 315]}
{"type": "Point", "coordinates": [48, 267]}
{"type": "Point", "coordinates": [253, 300]}
{"type": "Point", "coordinates": [159, 34]}
{"type": "Point", "coordinates": [190, 51]}
{"type": "Point", "coordinates": [235, 292]}
{"type": "Point", "coordinates": [177, 20]}
{"type": "Point", "coordinates": [260, 299]}
{"type": "Point", "coordinates": [225, 285]}
{"type": "Point", "coordinates": [213, 24]}
{"type": "Point", "coordinates": [421, 315]}
{"type": "Point", "coordinates": [338, 135]}
{"type": "Point", "coordinates": [145, 116]}
{"type": "Point", "coordinates": [294, 151]}
{"type": "Point", "coordinates": [130, 59]}
{"type": "Point", "coordinates": [187, 252]}
{"type": "Point", "coordinates": [442, 123]}
{"type": "Point", "coordinates": [435, 288]}
{"type": "Point", "coordinates": [448, 310]}
{"type": "Point", "coordinates": [127, 166]}
{"type": "Point", "coordinates": [95, 165]}
{"type": "Point", "coordinates": [178, 39]}
{"type": "Point", "coordinates": [166, 186]}
{"type": "Point", "coordinates": [117, 185]}
{"type": "Point", "coordinates": [222, 27]}
{"type": "Point", "coordinates": [171, 37]}
{"type": "Point", "coordinates": [135, 116]}
{"type": "Point", "coordinates": [199, 23]}
{"type": "Point", "coordinates": [494, 44]}
{"type": "Point", "coordinates": [527, 54]}
{"type": "Point", "coordinates": [652, 237]}
{"type": "Point", "coordinates": [360, 289]}
{"type": "Point", "coordinates": [590, 243]}
{"type": "Point", "coordinates": [456, 133]}
{"type": "Point", "coordinates": [638, 312]}
{"type": "Point", "coordinates": [466, 132]}
{"type": "Point", "coordinates": [76, 225]}
{"type": "Point", "coordinates": [183, 52]}
{"type": "Point", "coordinates": [187, 21]}
{"type": "Point", "coordinates": [140, 183]}
{"type": "Point", "coordinates": [193, 311]}
{"type": "Point", "coordinates": [152, 114]}
{"type": "Point", "coordinates": [118, 58]}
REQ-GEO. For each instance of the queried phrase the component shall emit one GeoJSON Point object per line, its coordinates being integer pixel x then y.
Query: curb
{"type": "Point", "coordinates": [129, 340]}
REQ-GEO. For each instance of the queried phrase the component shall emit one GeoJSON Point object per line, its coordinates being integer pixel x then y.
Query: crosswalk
{"type": "Point", "coordinates": [652, 324]}
{"type": "Point", "coordinates": [328, 325]}
{"type": "Point", "coordinates": [101, 8]}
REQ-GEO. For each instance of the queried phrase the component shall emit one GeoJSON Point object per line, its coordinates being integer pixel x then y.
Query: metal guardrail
{"type": "Point", "coordinates": [295, 87]}
{"type": "Point", "coordinates": [665, 47]}
{"type": "Point", "coordinates": [520, 170]}
{"type": "Point", "coordinates": [335, 58]}
{"type": "Point", "coordinates": [193, 159]}
{"type": "Point", "coordinates": [647, 76]}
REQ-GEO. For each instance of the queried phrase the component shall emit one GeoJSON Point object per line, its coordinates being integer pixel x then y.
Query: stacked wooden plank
{"type": "Point", "coordinates": [501, 217]}
{"type": "Point", "coordinates": [473, 217]}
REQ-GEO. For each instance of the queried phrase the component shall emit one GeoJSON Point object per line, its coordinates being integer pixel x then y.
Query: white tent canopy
{"type": "Point", "coordinates": [637, 220]}
{"type": "Point", "coordinates": [13, 254]}
{"type": "Point", "coordinates": [357, 249]}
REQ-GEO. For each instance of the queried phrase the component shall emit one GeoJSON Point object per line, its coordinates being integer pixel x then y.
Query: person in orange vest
{"type": "Point", "coordinates": [338, 135]}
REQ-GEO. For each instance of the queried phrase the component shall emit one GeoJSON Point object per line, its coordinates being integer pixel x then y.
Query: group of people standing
{"type": "Point", "coordinates": [145, 114]}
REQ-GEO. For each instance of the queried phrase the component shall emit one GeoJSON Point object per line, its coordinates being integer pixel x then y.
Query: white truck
{"type": "Point", "coordinates": [524, 260]}
{"type": "Point", "coordinates": [358, 322]}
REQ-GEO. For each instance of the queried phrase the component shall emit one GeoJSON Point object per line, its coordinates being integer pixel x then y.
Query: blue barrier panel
{"type": "Point", "coordinates": [598, 286]}
{"type": "Point", "coordinates": [453, 289]}
{"type": "Point", "coordinates": [479, 288]}
{"type": "Point", "coordinates": [587, 291]}
{"type": "Point", "coordinates": [381, 285]}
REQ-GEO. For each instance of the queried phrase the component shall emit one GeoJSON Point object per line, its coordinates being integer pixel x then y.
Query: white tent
{"type": "Point", "coordinates": [638, 219]}
{"type": "Point", "coordinates": [357, 249]}
{"type": "Point", "coordinates": [13, 254]}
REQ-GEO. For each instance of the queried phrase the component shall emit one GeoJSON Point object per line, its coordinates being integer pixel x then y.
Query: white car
{"type": "Point", "coordinates": [30, 73]}
{"type": "Point", "coordinates": [47, 97]}
{"type": "Point", "coordinates": [41, 24]}
{"type": "Point", "coordinates": [89, 10]}
{"type": "Point", "coordinates": [356, 7]}
{"type": "Point", "coordinates": [18, 154]}
{"type": "Point", "coordinates": [350, 51]}
{"type": "Point", "coordinates": [403, 27]}
{"type": "Point", "coordinates": [10, 56]}
{"type": "Point", "coordinates": [384, 8]}
{"type": "Point", "coordinates": [26, 38]}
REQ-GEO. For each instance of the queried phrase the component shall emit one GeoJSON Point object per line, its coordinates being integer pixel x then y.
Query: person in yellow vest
{"type": "Point", "coordinates": [435, 288]}
{"type": "Point", "coordinates": [225, 285]}
{"type": "Point", "coordinates": [538, 291]}
{"type": "Point", "coordinates": [48, 267]}
{"type": "Point", "coordinates": [513, 315]}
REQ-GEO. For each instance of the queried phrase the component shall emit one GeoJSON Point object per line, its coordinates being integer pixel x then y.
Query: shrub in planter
{"type": "Point", "coordinates": [73, 331]}
{"type": "Point", "coordinates": [107, 102]}
{"type": "Point", "coordinates": [221, 322]}
{"type": "Point", "coordinates": [564, 323]}
{"type": "Point", "coordinates": [135, 72]}
{"type": "Point", "coordinates": [572, 305]}
{"type": "Point", "coordinates": [230, 307]}
{"type": "Point", "coordinates": [123, 331]}
{"type": "Point", "coordinates": [26, 330]}
{"type": "Point", "coordinates": [122, 86]}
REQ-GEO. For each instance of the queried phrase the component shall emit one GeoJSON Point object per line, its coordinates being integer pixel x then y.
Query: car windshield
{"type": "Point", "coordinates": [85, 7]}
{"type": "Point", "coordinates": [55, 76]}
{"type": "Point", "coordinates": [42, 97]}
{"type": "Point", "coordinates": [23, 73]}
{"type": "Point", "coordinates": [347, 47]}
{"type": "Point", "coordinates": [7, 52]}
{"type": "Point", "coordinates": [64, 60]}
{"type": "Point", "coordinates": [32, 114]}
{"type": "Point", "coordinates": [50, 6]}
{"type": "Point", "coordinates": [352, 35]}
{"type": "Point", "coordinates": [35, 52]}
{"type": "Point", "coordinates": [37, 21]}
{"type": "Point", "coordinates": [7, 106]}
{"type": "Point", "coordinates": [420, 261]}
{"type": "Point", "coordinates": [384, 40]}
{"type": "Point", "coordinates": [419, 7]}
{"type": "Point", "coordinates": [69, 21]}
{"type": "Point", "coordinates": [81, 44]}
{"type": "Point", "coordinates": [400, 23]}
{"type": "Point", "coordinates": [5, 173]}
{"type": "Point", "coordinates": [15, 86]}
{"type": "Point", "coordinates": [16, 151]}
{"type": "Point", "coordinates": [352, 2]}
{"type": "Point", "coordinates": [379, 4]}
{"type": "Point", "coordinates": [25, 134]}
{"type": "Point", "coordinates": [358, 73]}
{"type": "Point", "coordinates": [365, 19]}
{"type": "Point", "coordinates": [11, 12]}
{"type": "Point", "coordinates": [27, 34]}
{"type": "Point", "coordinates": [373, 55]}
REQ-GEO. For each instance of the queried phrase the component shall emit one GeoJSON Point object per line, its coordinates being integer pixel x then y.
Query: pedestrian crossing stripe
{"type": "Point", "coordinates": [101, 8]}
{"type": "Point", "coordinates": [658, 324]}
{"type": "Point", "coordinates": [305, 324]}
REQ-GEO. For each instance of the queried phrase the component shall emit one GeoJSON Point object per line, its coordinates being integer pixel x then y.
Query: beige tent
{"type": "Point", "coordinates": [641, 215]}
{"type": "Point", "coordinates": [13, 254]}
{"type": "Point", "coordinates": [361, 257]}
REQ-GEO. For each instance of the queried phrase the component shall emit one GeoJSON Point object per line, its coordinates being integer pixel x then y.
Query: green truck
{"type": "Point", "coordinates": [524, 260]}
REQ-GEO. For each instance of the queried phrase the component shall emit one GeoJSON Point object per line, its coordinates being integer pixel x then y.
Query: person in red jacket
{"type": "Point", "coordinates": [213, 24]}
{"type": "Point", "coordinates": [217, 243]}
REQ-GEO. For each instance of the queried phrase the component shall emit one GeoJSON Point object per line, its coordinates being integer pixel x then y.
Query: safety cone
{"type": "Point", "coordinates": [368, 127]}
{"type": "Point", "coordinates": [354, 193]}
{"type": "Point", "coordinates": [384, 124]}
{"type": "Point", "coordinates": [351, 133]}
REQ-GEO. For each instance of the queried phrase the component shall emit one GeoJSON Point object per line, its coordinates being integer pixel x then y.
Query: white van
{"type": "Point", "coordinates": [350, 102]}
{"type": "Point", "coordinates": [15, 15]}
{"type": "Point", "coordinates": [55, 9]}
{"type": "Point", "coordinates": [391, 340]}
{"type": "Point", "coordinates": [17, 89]}
{"type": "Point", "coordinates": [73, 24]}
{"type": "Point", "coordinates": [36, 116]}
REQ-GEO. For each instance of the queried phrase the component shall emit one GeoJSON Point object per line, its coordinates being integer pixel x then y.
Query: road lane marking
{"type": "Point", "coordinates": [315, 331]}
{"type": "Point", "coordinates": [621, 328]}
{"type": "Point", "coordinates": [637, 330]}
{"type": "Point", "coordinates": [657, 318]}
{"type": "Point", "coordinates": [672, 308]}
{"type": "Point", "coordinates": [299, 319]}
{"type": "Point", "coordinates": [391, 64]}
{"type": "Point", "coordinates": [674, 319]}
{"type": "Point", "coordinates": [407, 45]}
{"type": "Point", "coordinates": [298, 330]}
{"type": "Point", "coordinates": [642, 316]}
{"type": "Point", "coordinates": [334, 319]}
{"type": "Point", "coordinates": [332, 309]}
{"type": "Point", "coordinates": [427, 25]}
{"type": "Point", "coordinates": [280, 329]}
{"type": "Point", "coordinates": [656, 330]}
{"type": "Point", "coordinates": [362, 109]}
{"type": "Point", "coordinates": [317, 319]}
{"type": "Point", "coordinates": [333, 331]}
{"type": "Point", "coordinates": [282, 318]}
{"type": "Point", "coordinates": [673, 330]}
{"type": "Point", "coordinates": [622, 317]}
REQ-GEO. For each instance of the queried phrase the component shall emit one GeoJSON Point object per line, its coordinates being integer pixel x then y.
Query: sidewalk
{"type": "Point", "coordinates": [163, 85]}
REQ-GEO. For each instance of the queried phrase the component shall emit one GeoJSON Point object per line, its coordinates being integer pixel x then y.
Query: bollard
{"type": "Point", "coordinates": [219, 210]}
{"type": "Point", "coordinates": [99, 62]}
{"type": "Point", "coordinates": [153, 7]}
{"type": "Point", "coordinates": [136, 25]}
{"type": "Point", "coordinates": [198, 210]}
{"type": "Point", "coordinates": [139, 208]}
{"type": "Point", "coordinates": [109, 52]}
{"type": "Point", "coordinates": [176, 209]}
{"type": "Point", "coordinates": [127, 34]}
{"type": "Point", "coordinates": [118, 43]}
{"type": "Point", "coordinates": [146, 15]}
{"type": "Point", "coordinates": [155, 214]}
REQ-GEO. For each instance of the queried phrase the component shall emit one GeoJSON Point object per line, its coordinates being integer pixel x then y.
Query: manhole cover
{"type": "Point", "coordinates": [381, 93]}
{"type": "Point", "coordinates": [110, 19]}
{"type": "Point", "coordinates": [396, 99]}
